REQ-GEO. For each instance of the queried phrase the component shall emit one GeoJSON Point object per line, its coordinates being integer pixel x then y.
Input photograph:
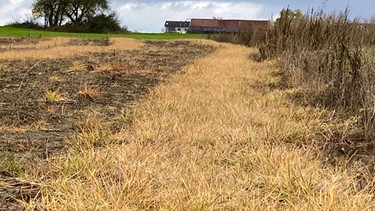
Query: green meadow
{"type": "Point", "coordinates": [6, 31]}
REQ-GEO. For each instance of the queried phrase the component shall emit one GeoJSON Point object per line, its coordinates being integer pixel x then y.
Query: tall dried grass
{"type": "Point", "coordinates": [216, 138]}
{"type": "Point", "coordinates": [328, 57]}
{"type": "Point", "coordinates": [251, 36]}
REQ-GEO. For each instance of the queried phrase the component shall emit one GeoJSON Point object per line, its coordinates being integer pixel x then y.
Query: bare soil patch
{"type": "Point", "coordinates": [34, 127]}
{"type": "Point", "coordinates": [20, 40]}
{"type": "Point", "coordinates": [18, 44]}
{"type": "Point", "coordinates": [120, 77]}
{"type": "Point", "coordinates": [58, 47]}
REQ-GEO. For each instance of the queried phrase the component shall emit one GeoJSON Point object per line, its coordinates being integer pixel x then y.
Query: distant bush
{"type": "Point", "coordinates": [330, 58]}
{"type": "Point", "coordinates": [101, 23]}
{"type": "Point", "coordinates": [29, 24]}
{"type": "Point", "coordinates": [105, 24]}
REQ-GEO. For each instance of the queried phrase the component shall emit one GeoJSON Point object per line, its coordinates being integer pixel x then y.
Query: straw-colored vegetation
{"type": "Point", "coordinates": [221, 136]}
{"type": "Point", "coordinates": [77, 66]}
{"type": "Point", "coordinates": [89, 91]}
{"type": "Point", "coordinates": [59, 47]}
{"type": "Point", "coordinates": [53, 96]}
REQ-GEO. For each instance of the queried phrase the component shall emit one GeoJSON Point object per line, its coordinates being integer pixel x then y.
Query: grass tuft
{"type": "Point", "coordinates": [89, 91]}
{"type": "Point", "coordinates": [12, 165]}
{"type": "Point", "coordinates": [77, 67]}
{"type": "Point", "coordinates": [53, 97]}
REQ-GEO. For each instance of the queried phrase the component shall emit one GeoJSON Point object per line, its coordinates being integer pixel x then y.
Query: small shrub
{"type": "Point", "coordinates": [103, 23]}
{"type": "Point", "coordinates": [28, 24]}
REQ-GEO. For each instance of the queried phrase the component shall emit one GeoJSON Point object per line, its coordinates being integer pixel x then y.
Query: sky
{"type": "Point", "coordinates": [150, 15]}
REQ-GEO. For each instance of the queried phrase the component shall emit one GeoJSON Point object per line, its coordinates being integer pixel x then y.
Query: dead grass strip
{"type": "Point", "coordinates": [207, 140]}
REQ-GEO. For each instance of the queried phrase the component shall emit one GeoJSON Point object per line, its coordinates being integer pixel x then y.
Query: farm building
{"type": "Point", "coordinates": [223, 25]}
{"type": "Point", "coordinates": [177, 26]}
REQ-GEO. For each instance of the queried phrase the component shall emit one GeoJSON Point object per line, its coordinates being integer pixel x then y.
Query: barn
{"type": "Point", "coordinates": [223, 25]}
{"type": "Point", "coordinates": [176, 26]}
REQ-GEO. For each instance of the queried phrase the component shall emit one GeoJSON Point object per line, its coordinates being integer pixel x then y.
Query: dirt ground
{"type": "Point", "coordinates": [34, 125]}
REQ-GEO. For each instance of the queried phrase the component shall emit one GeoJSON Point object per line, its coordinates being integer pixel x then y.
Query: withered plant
{"type": "Point", "coordinates": [327, 56]}
{"type": "Point", "coordinates": [250, 36]}
{"type": "Point", "coordinates": [89, 91]}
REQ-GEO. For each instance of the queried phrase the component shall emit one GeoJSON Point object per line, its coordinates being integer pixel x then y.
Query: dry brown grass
{"type": "Point", "coordinates": [12, 129]}
{"type": "Point", "coordinates": [57, 47]}
{"type": "Point", "coordinates": [110, 68]}
{"type": "Point", "coordinates": [89, 91]}
{"type": "Point", "coordinates": [91, 132]}
{"type": "Point", "coordinates": [131, 67]}
{"type": "Point", "coordinates": [55, 78]}
{"type": "Point", "coordinates": [77, 67]}
{"type": "Point", "coordinates": [329, 57]}
{"type": "Point", "coordinates": [24, 128]}
{"type": "Point", "coordinates": [216, 138]}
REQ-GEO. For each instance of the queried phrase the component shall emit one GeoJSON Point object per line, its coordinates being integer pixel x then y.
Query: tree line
{"type": "Point", "coordinates": [77, 16]}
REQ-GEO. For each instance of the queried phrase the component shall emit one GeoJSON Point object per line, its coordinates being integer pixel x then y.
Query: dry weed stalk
{"type": "Point", "coordinates": [327, 57]}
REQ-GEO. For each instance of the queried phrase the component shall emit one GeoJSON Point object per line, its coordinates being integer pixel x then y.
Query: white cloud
{"type": "Point", "coordinates": [14, 10]}
{"type": "Point", "coordinates": [150, 17]}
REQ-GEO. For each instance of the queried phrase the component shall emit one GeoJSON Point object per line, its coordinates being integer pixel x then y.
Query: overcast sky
{"type": "Point", "coordinates": [150, 15]}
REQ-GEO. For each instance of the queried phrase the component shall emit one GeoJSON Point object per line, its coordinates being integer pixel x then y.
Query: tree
{"type": "Point", "coordinates": [78, 11]}
{"type": "Point", "coordinates": [56, 12]}
{"type": "Point", "coordinates": [52, 11]}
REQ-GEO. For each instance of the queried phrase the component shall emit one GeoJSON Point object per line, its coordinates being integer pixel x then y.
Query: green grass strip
{"type": "Point", "coordinates": [6, 31]}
